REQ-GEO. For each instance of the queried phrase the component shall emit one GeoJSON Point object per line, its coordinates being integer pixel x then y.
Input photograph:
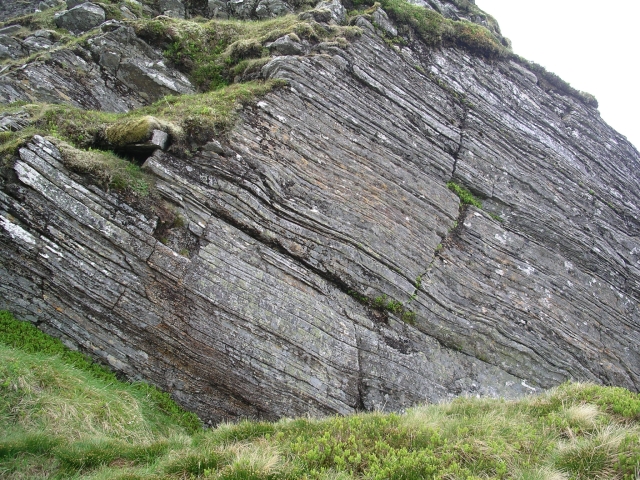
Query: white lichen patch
{"type": "Point", "coordinates": [16, 232]}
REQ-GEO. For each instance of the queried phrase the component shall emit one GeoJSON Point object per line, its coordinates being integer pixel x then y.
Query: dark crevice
{"type": "Point", "coordinates": [360, 406]}
{"type": "Point", "coordinates": [463, 126]}
{"type": "Point", "coordinates": [446, 242]}
{"type": "Point", "coordinates": [276, 245]}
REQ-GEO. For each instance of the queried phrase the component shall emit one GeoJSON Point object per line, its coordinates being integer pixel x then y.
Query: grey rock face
{"type": "Point", "coordinates": [10, 29]}
{"type": "Point", "coordinates": [13, 122]}
{"type": "Point", "coordinates": [331, 189]}
{"type": "Point", "coordinates": [81, 18]}
{"type": "Point", "coordinates": [272, 8]}
{"type": "Point", "coordinates": [458, 11]}
{"type": "Point", "coordinates": [11, 9]}
{"type": "Point", "coordinates": [172, 8]}
{"type": "Point", "coordinates": [338, 12]}
{"type": "Point", "coordinates": [44, 4]}
{"type": "Point", "coordinates": [334, 12]}
{"type": "Point", "coordinates": [239, 329]}
{"type": "Point", "coordinates": [73, 3]}
{"type": "Point", "coordinates": [381, 19]}
{"type": "Point", "coordinates": [128, 14]}
{"type": "Point", "coordinates": [246, 9]}
{"type": "Point", "coordinates": [241, 8]}
{"type": "Point", "coordinates": [116, 72]}
{"type": "Point", "coordinates": [40, 40]}
{"type": "Point", "coordinates": [217, 9]}
{"type": "Point", "coordinates": [286, 46]}
{"type": "Point", "coordinates": [11, 48]}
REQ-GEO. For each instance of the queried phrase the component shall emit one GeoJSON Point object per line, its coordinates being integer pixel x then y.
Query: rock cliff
{"type": "Point", "coordinates": [315, 257]}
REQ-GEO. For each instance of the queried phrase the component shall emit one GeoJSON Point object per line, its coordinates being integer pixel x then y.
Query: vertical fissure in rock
{"type": "Point", "coordinates": [444, 243]}
{"type": "Point", "coordinates": [463, 126]}
{"type": "Point", "coordinates": [360, 406]}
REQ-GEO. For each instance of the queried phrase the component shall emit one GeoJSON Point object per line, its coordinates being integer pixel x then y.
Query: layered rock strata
{"type": "Point", "coordinates": [331, 193]}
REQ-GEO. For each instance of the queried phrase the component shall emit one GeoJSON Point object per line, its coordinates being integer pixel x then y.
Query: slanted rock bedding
{"type": "Point", "coordinates": [312, 258]}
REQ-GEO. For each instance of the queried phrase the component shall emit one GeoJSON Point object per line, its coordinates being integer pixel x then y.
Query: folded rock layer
{"type": "Point", "coordinates": [325, 209]}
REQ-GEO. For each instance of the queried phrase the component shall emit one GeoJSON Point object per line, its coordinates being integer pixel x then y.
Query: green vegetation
{"type": "Point", "coordinates": [466, 197]}
{"type": "Point", "coordinates": [27, 339]}
{"type": "Point", "coordinates": [45, 19]}
{"type": "Point", "coordinates": [194, 119]}
{"type": "Point", "coordinates": [496, 217]}
{"type": "Point", "coordinates": [549, 80]}
{"type": "Point", "coordinates": [63, 417]}
{"type": "Point", "coordinates": [217, 53]}
{"type": "Point", "coordinates": [137, 129]}
{"type": "Point", "coordinates": [436, 30]}
{"type": "Point", "coordinates": [384, 304]}
{"type": "Point", "coordinates": [105, 168]}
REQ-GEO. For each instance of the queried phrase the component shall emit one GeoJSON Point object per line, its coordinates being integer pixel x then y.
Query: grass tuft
{"type": "Point", "coordinates": [436, 31]}
{"type": "Point", "coordinates": [466, 197]}
{"type": "Point", "coordinates": [105, 168]}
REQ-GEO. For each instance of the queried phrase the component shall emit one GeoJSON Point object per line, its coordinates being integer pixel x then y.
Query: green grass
{"type": "Point", "coordinates": [384, 304]}
{"type": "Point", "coordinates": [194, 119]}
{"type": "Point", "coordinates": [466, 197]}
{"type": "Point", "coordinates": [63, 417]}
{"type": "Point", "coordinates": [217, 53]}
{"type": "Point", "coordinates": [437, 31]}
{"type": "Point", "coordinates": [26, 341]}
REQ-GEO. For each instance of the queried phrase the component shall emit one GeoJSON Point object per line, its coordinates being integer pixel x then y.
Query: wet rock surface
{"type": "Point", "coordinates": [330, 193]}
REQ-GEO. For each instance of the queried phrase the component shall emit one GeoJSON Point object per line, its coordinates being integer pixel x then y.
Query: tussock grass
{"type": "Point", "coordinates": [437, 31]}
{"type": "Point", "coordinates": [105, 168]}
{"type": "Point", "coordinates": [192, 120]}
{"type": "Point", "coordinates": [61, 419]}
{"type": "Point", "coordinates": [217, 53]}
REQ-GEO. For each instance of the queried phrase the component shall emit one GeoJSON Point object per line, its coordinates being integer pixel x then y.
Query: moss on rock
{"type": "Point", "coordinates": [104, 168]}
{"type": "Point", "coordinates": [138, 130]}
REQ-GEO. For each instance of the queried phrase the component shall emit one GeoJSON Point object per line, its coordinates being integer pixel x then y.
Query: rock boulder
{"type": "Point", "coordinates": [81, 18]}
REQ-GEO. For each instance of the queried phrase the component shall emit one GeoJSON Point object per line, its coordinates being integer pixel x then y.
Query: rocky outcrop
{"type": "Point", "coordinates": [317, 261]}
{"type": "Point", "coordinates": [462, 10]}
{"type": "Point", "coordinates": [172, 8]}
{"type": "Point", "coordinates": [11, 48]}
{"type": "Point", "coordinates": [238, 328]}
{"type": "Point", "coordinates": [12, 9]}
{"type": "Point", "coordinates": [114, 71]}
{"type": "Point", "coordinates": [245, 9]}
{"type": "Point", "coordinates": [81, 18]}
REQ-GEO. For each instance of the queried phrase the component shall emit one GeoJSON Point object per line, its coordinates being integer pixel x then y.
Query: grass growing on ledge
{"type": "Point", "coordinates": [384, 304]}
{"type": "Point", "coordinates": [466, 197]}
{"type": "Point", "coordinates": [436, 30]}
{"type": "Point", "coordinates": [55, 424]}
{"type": "Point", "coordinates": [218, 52]}
{"type": "Point", "coordinates": [197, 118]}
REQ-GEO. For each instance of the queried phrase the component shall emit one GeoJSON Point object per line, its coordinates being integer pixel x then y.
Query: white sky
{"type": "Point", "coordinates": [595, 46]}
